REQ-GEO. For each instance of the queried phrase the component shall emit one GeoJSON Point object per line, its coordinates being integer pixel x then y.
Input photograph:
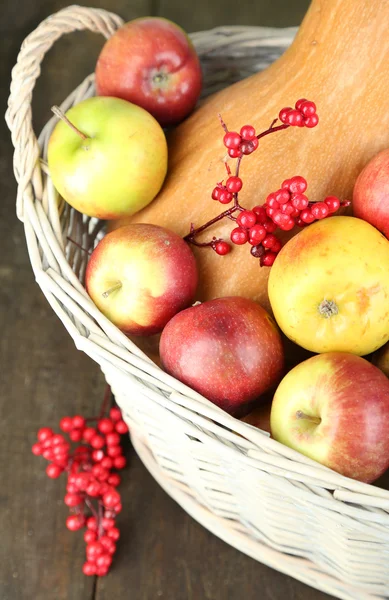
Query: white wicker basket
{"type": "Point", "coordinates": [261, 497]}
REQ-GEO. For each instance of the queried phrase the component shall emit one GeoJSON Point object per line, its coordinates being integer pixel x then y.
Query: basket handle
{"type": "Point", "coordinates": [24, 75]}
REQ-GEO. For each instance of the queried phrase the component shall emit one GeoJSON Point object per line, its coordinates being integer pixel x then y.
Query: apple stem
{"type": "Point", "coordinates": [61, 115]}
{"type": "Point", "coordinates": [115, 287]}
{"type": "Point", "coordinates": [301, 415]}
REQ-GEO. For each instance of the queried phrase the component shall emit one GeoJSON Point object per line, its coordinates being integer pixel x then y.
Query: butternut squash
{"type": "Point", "coordinates": [339, 59]}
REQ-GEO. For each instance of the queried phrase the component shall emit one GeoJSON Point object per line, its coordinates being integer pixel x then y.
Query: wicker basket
{"type": "Point", "coordinates": [266, 500]}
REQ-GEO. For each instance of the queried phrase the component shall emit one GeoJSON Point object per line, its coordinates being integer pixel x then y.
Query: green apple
{"type": "Point", "coordinates": [107, 157]}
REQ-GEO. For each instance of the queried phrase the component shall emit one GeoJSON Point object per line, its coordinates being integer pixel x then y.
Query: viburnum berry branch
{"type": "Point", "coordinates": [283, 209]}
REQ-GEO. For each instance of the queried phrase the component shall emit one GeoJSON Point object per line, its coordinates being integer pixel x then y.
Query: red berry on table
{"type": "Point", "coordinates": [97, 441]}
{"type": "Point", "coordinates": [294, 118]}
{"type": "Point", "coordinates": [101, 571]}
{"type": "Point", "coordinates": [94, 549]}
{"type": "Point", "coordinates": [284, 222]}
{"type": "Point", "coordinates": [72, 499]}
{"type": "Point", "coordinates": [216, 193]}
{"type": "Point", "coordinates": [299, 201]}
{"type": "Point", "coordinates": [114, 533]}
{"type": "Point", "coordinates": [225, 197]}
{"type": "Point", "coordinates": [234, 184]}
{"type": "Point", "coordinates": [75, 522]}
{"type": "Point", "coordinates": [114, 451]}
{"type": "Point", "coordinates": [48, 454]}
{"type": "Point", "coordinates": [249, 146]}
{"type": "Point", "coordinates": [306, 216]}
{"type": "Point", "coordinates": [221, 248]}
{"type": "Point", "coordinates": [284, 113]}
{"type": "Point", "coordinates": [257, 251]}
{"type": "Point", "coordinates": [118, 508]}
{"type": "Point", "coordinates": [300, 102]}
{"type": "Point", "coordinates": [232, 140]}
{"type": "Point", "coordinates": [333, 203]}
{"type": "Point", "coordinates": [57, 439]}
{"type": "Point", "coordinates": [270, 226]}
{"type": "Point", "coordinates": [92, 524]}
{"type": "Point", "coordinates": [271, 201]}
{"type": "Point", "coordinates": [115, 414]}
{"type": "Point", "coordinates": [119, 462]}
{"type": "Point", "coordinates": [270, 211]}
{"type": "Point", "coordinates": [114, 479]}
{"type": "Point", "coordinates": [285, 184]}
{"type": "Point", "coordinates": [246, 219]}
{"type": "Point", "coordinates": [247, 132]}
{"type": "Point", "coordinates": [88, 433]}
{"type": "Point", "coordinates": [45, 433]}
{"type": "Point", "coordinates": [97, 455]}
{"type": "Point", "coordinates": [90, 536]}
{"type": "Point", "coordinates": [239, 236]}
{"type": "Point", "coordinates": [282, 196]}
{"type": "Point", "coordinates": [75, 435]}
{"type": "Point", "coordinates": [288, 209]}
{"type": "Point", "coordinates": [297, 185]}
{"type": "Point", "coordinates": [106, 462]}
{"type": "Point", "coordinates": [93, 489]}
{"type": "Point", "coordinates": [311, 121]}
{"type": "Point", "coordinates": [269, 241]}
{"type": "Point", "coordinates": [235, 152]}
{"type": "Point", "coordinates": [261, 214]}
{"type": "Point", "coordinates": [307, 108]}
{"type": "Point", "coordinates": [107, 523]}
{"type": "Point", "coordinates": [66, 424]}
{"type": "Point", "coordinates": [268, 259]}
{"type": "Point", "coordinates": [78, 422]}
{"type": "Point", "coordinates": [89, 568]}
{"type": "Point", "coordinates": [53, 471]}
{"type": "Point", "coordinates": [111, 498]}
{"type": "Point", "coordinates": [108, 544]}
{"type": "Point", "coordinates": [37, 449]}
{"type": "Point", "coordinates": [257, 233]}
{"type": "Point", "coordinates": [105, 425]}
{"type": "Point", "coordinates": [320, 210]}
{"type": "Point", "coordinates": [112, 439]}
{"type": "Point", "coordinates": [104, 560]}
{"type": "Point", "coordinates": [276, 246]}
{"type": "Point", "coordinates": [82, 480]}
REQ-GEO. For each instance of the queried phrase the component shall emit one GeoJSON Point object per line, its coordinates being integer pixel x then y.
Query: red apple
{"type": "Point", "coordinates": [228, 349]}
{"type": "Point", "coordinates": [334, 408]}
{"type": "Point", "coordinates": [152, 63]}
{"type": "Point", "coordinates": [140, 275]}
{"type": "Point", "coordinates": [371, 193]}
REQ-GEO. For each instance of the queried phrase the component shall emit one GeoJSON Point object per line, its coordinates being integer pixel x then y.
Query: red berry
{"type": "Point", "coordinates": [234, 152]}
{"type": "Point", "coordinates": [63, 449]}
{"type": "Point", "coordinates": [115, 414]}
{"type": "Point", "coordinates": [306, 216]}
{"type": "Point", "coordinates": [97, 455]}
{"type": "Point", "coordinates": [101, 571]}
{"type": "Point", "coordinates": [221, 248]}
{"type": "Point", "coordinates": [234, 184]}
{"type": "Point", "coordinates": [311, 121]}
{"type": "Point", "coordinates": [37, 449]}
{"type": "Point", "coordinates": [297, 185]}
{"type": "Point", "coordinates": [268, 259]}
{"type": "Point", "coordinates": [48, 454]}
{"type": "Point", "coordinates": [299, 201]}
{"type": "Point", "coordinates": [118, 508]}
{"type": "Point", "coordinates": [246, 219]}
{"type": "Point", "coordinates": [107, 523]}
{"type": "Point", "coordinates": [78, 422]}
{"type": "Point", "coordinates": [57, 439]}
{"type": "Point", "coordinates": [247, 132]}
{"type": "Point", "coordinates": [271, 201]}
{"type": "Point", "coordinates": [103, 561]}
{"type": "Point", "coordinates": [88, 433]}
{"type": "Point", "coordinates": [89, 568]}
{"type": "Point", "coordinates": [90, 536]}
{"type": "Point", "coordinates": [239, 236]}
{"type": "Point", "coordinates": [270, 226]}
{"type": "Point", "coordinates": [66, 424]}
{"type": "Point", "coordinates": [111, 498]}
{"type": "Point", "coordinates": [276, 246]}
{"type": "Point", "coordinates": [75, 522]}
{"type": "Point", "coordinates": [232, 139]}
{"type": "Point", "coordinates": [97, 441]}
{"type": "Point", "coordinates": [82, 480]}
{"type": "Point", "coordinates": [282, 196]}
{"type": "Point", "coordinates": [294, 118]}
{"type": "Point", "coordinates": [320, 210]}
{"type": "Point", "coordinates": [107, 462]}
{"type": "Point", "coordinates": [72, 499]}
{"type": "Point", "coordinates": [249, 147]}
{"type": "Point", "coordinates": [114, 451]}
{"type": "Point", "coordinates": [92, 524]}
{"type": "Point", "coordinates": [284, 222]}
{"type": "Point", "coordinates": [287, 209]}
{"type": "Point", "coordinates": [284, 113]}
{"type": "Point", "coordinates": [119, 462]}
{"type": "Point", "coordinates": [261, 214]}
{"type": "Point", "coordinates": [307, 108]}
{"type": "Point", "coordinates": [114, 479]}
{"type": "Point", "coordinates": [285, 184]}
{"type": "Point", "coordinates": [71, 488]}
{"type": "Point", "coordinates": [105, 425]}
{"type": "Point", "coordinates": [257, 233]}
{"type": "Point", "coordinates": [300, 222]}
{"type": "Point", "coordinates": [216, 193]}
{"type": "Point", "coordinates": [299, 103]}
{"type": "Point", "coordinates": [112, 439]}
{"type": "Point", "coordinates": [270, 211]}
{"type": "Point", "coordinates": [93, 489]}
{"type": "Point", "coordinates": [45, 433]}
{"type": "Point", "coordinates": [333, 203]}
{"type": "Point", "coordinates": [225, 197]}
{"type": "Point", "coordinates": [257, 251]}
{"type": "Point", "coordinates": [53, 471]}
{"type": "Point", "coordinates": [108, 544]}
{"type": "Point", "coordinates": [75, 435]}
{"type": "Point", "coordinates": [114, 534]}
{"type": "Point", "coordinates": [269, 241]}
{"type": "Point", "coordinates": [94, 549]}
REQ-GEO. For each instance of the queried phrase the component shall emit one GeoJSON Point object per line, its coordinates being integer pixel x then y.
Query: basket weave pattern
{"type": "Point", "coordinates": [261, 497]}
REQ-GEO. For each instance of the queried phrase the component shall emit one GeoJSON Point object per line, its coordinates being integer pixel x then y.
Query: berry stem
{"type": "Point", "coordinates": [193, 232]}
{"type": "Point", "coordinates": [61, 115]}
{"type": "Point", "coordinates": [272, 129]}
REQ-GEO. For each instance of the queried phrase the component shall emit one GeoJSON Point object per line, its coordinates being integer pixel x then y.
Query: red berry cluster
{"type": "Point", "coordinates": [91, 486]}
{"type": "Point", "coordinates": [302, 115]}
{"type": "Point", "coordinates": [283, 209]}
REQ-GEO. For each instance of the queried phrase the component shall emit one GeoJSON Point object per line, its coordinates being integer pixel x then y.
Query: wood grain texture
{"type": "Point", "coordinates": [162, 553]}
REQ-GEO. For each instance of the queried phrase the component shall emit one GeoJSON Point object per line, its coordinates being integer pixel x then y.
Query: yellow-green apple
{"type": "Point", "coordinates": [371, 193]}
{"type": "Point", "coordinates": [334, 408]}
{"type": "Point", "coordinates": [139, 276]}
{"type": "Point", "coordinates": [151, 62]}
{"type": "Point", "coordinates": [228, 349]}
{"type": "Point", "coordinates": [329, 287]}
{"type": "Point", "coordinates": [107, 157]}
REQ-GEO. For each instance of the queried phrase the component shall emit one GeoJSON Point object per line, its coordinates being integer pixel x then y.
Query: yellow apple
{"type": "Point", "coordinates": [329, 287]}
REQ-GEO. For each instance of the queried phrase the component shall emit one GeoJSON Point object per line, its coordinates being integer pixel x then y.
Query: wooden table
{"type": "Point", "coordinates": [162, 553]}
